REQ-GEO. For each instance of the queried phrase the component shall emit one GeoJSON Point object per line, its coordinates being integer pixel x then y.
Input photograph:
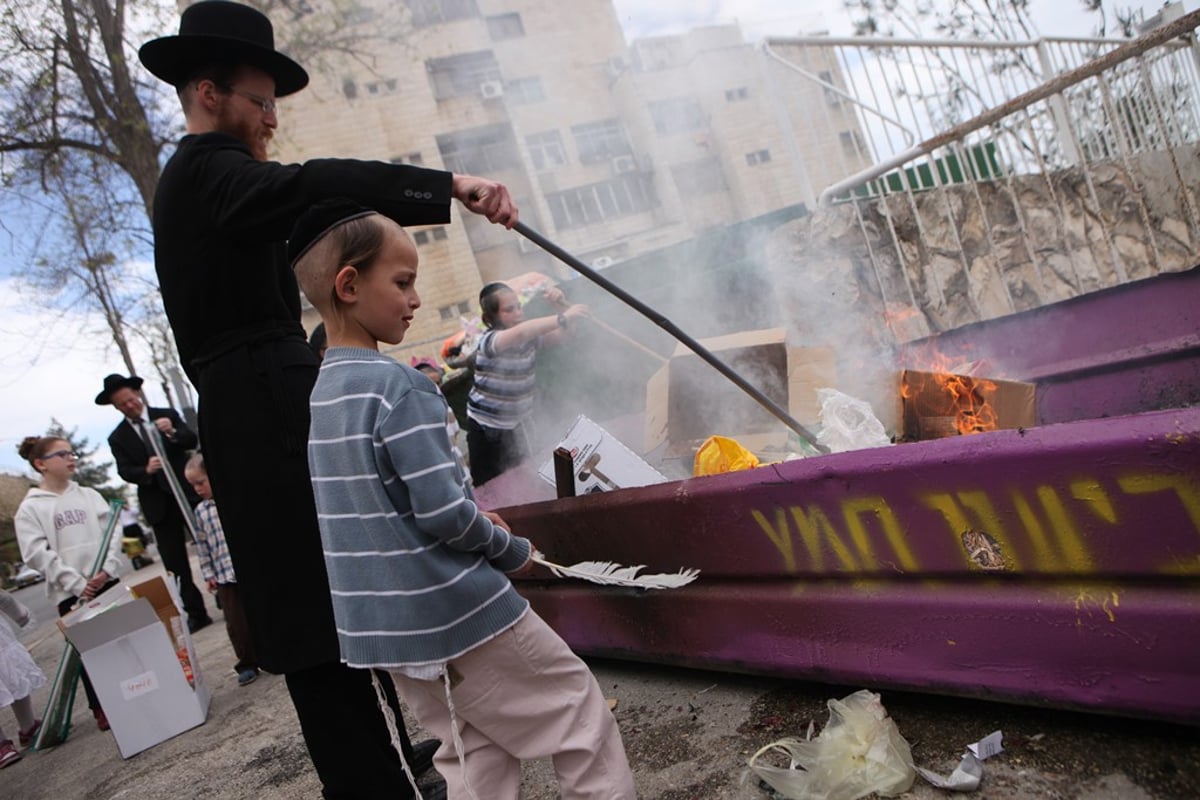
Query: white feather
{"type": "Point", "coordinates": [609, 574]}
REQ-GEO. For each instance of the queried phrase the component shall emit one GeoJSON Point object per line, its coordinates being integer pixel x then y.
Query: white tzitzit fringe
{"type": "Point", "coordinates": [389, 717]}
{"type": "Point", "coordinates": [459, 748]}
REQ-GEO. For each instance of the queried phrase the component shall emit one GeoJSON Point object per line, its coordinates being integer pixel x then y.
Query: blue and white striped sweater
{"type": "Point", "coordinates": [415, 570]}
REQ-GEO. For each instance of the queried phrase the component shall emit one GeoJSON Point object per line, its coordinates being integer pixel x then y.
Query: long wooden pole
{"type": "Point", "coordinates": [670, 327]}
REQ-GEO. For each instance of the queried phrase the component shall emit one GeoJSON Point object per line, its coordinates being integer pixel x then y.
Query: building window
{"type": "Point", "coordinates": [831, 97]}
{"type": "Point", "coordinates": [600, 141]}
{"type": "Point", "coordinates": [479, 151]}
{"type": "Point", "coordinates": [758, 157]}
{"type": "Point", "coordinates": [734, 95]}
{"type": "Point", "coordinates": [505, 26]}
{"type": "Point", "coordinates": [349, 88]}
{"type": "Point", "coordinates": [597, 202]}
{"type": "Point", "coordinates": [435, 12]}
{"type": "Point", "coordinates": [437, 234]}
{"type": "Point", "coordinates": [678, 115]}
{"type": "Point", "coordinates": [387, 86]}
{"type": "Point", "coordinates": [456, 76]}
{"type": "Point", "coordinates": [546, 150]}
{"type": "Point", "coordinates": [409, 158]}
{"type": "Point", "coordinates": [699, 177]}
{"type": "Point", "coordinates": [525, 90]}
{"type": "Point", "coordinates": [852, 143]}
{"type": "Point", "coordinates": [454, 309]}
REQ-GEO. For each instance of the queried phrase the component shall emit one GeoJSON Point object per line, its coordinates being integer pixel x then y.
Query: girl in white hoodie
{"type": "Point", "coordinates": [59, 528]}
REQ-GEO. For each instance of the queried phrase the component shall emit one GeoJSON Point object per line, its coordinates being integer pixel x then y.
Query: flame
{"type": "Point", "coordinates": [943, 392]}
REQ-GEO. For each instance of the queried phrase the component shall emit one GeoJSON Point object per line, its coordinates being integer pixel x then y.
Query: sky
{"type": "Point", "coordinates": [53, 366]}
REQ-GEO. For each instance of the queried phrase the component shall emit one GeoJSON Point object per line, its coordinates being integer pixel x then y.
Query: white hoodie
{"type": "Point", "coordinates": [59, 534]}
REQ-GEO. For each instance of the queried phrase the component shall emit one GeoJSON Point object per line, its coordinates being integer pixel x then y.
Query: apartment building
{"type": "Point", "coordinates": [611, 150]}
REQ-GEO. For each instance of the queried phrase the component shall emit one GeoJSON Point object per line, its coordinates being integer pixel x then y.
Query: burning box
{"type": "Point", "coordinates": [142, 663]}
{"type": "Point", "coordinates": [689, 400]}
{"type": "Point", "coordinates": [934, 405]}
{"type": "Point", "coordinates": [600, 463]}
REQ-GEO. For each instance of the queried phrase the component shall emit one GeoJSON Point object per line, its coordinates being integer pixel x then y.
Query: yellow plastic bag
{"type": "Point", "coordinates": [721, 454]}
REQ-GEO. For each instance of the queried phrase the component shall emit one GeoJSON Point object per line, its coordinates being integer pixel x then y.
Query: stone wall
{"type": "Point", "coordinates": [952, 256]}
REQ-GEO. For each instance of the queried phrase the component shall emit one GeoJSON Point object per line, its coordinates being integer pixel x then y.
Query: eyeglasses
{"type": "Point", "coordinates": [63, 453]}
{"type": "Point", "coordinates": [267, 105]}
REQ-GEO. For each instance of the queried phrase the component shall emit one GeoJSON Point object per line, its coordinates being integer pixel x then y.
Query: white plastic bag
{"type": "Point", "coordinates": [848, 423]}
{"type": "Point", "coordinates": [860, 751]}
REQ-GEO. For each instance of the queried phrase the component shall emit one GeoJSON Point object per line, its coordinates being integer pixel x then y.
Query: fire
{"type": "Point", "coordinates": [972, 411]}
{"type": "Point", "coordinates": [947, 399]}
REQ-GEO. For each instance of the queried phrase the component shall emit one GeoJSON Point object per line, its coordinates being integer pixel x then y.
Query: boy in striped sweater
{"type": "Point", "coordinates": [418, 571]}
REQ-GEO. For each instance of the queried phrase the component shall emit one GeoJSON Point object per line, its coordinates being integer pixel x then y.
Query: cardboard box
{"type": "Point", "coordinates": [600, 462]}
{"type": "Point", "coordinates": [688, 399]}
{"type": "Point", "coordinates": [126, 645]}
{"type": "Point", "coordinates": [937, 405]}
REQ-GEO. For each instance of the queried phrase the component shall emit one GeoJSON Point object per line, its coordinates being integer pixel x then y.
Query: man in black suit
{"type": "Point", "coordinates": [222, 214]}
{"type": "Point", "coordinates": [138, 463]}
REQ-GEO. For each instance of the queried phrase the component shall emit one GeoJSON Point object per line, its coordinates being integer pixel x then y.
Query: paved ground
{"type": "Point", "coordinates": [688, 735]}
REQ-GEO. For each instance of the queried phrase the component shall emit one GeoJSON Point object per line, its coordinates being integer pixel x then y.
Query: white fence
{"type": "Point", "coordinates": [996, 123]}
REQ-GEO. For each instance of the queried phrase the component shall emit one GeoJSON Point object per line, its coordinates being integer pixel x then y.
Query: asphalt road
{"type": "Point", "coordinates": [688, 734]}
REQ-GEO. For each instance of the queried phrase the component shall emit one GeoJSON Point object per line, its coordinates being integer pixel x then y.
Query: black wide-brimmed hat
{"type": "Point", "coordinates": [114, 382]}
{"type": "Point", "coordinates": [220, 31]}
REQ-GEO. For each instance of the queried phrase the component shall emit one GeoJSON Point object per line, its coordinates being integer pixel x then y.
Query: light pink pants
{"type": "Point", "coordinates": [523, 695]}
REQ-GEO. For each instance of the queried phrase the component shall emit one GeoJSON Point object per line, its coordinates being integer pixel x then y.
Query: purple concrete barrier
{"type": "Point", "coordinates": [1122, 350]}
{"type": "Point", "coordinates": [1058, 565]}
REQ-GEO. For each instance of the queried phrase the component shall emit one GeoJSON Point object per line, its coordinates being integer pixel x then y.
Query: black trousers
{"type": "Point", "coordinates": [346, 735]}
{"type": "Point", "coordinates": [493, 450]}
{"type": "Point", "coordinates": [170, 534]}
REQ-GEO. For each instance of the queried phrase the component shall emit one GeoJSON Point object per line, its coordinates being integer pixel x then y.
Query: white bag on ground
{"type": "Point", "coordinates": [860, 751]}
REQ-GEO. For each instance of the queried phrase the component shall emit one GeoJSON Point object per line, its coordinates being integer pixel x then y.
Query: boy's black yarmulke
{"type": "Point", "coordinates": [320, 220]}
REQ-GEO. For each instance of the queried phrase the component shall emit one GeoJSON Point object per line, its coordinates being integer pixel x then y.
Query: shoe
{"type": "Point", "coordinates": [8, 753]}
{"type": "Point", "coordinates": [247, 676]}
{"type": "Point", "coordinates": [422, 760]}
{"type": "Point", "coordinates": [434, 788]}
{"type": "Point", "coordinates": [196, 623]}
{"type": "Point", "coordinates": [101, 718]}
{"type": "Point", "coordinates": [26, 737]}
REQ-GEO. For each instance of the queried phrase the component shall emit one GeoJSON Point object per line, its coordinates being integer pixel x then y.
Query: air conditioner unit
{"type": "Point", "coordinates": [602, 261]}
{"type": "Point", "coordinates": [624, 164]}
{"type": "Point", "coordinates": [490, 89]}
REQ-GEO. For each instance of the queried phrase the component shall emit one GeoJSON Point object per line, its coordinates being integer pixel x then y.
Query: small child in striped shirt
{"type": "Point", "coordinates": [216, 567]}
{"type": "Point", "coordinates": [417, 571]}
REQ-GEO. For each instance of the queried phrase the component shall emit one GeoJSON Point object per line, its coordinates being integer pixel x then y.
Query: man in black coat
{"type": "Point", "coordinates": [139, 464]}
{"type": "Point", "coordinates": [222, 214]}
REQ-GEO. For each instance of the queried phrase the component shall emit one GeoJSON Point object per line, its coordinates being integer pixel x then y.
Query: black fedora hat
{"type": "Point", "coordinates": [114, 382]}
{"type": "Point", "coordinates": [221, 31]}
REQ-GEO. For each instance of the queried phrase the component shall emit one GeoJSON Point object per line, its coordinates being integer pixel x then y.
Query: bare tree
{"type": "Point", "coordinates": [83, 131]}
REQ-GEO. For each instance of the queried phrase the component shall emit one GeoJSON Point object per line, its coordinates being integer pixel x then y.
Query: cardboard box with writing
{"type": "Point", "coordinates": [688, 400]}
{"type": "Point", "coordinates": [936, 405]}
{"type": "Point", "coordinates": [600, 462]}
{"type": "Point", "coordinates": [128, 648]}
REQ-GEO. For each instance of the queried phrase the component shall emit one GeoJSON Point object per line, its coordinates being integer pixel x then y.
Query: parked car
{"type": "Point", "coordinates": [27, 576]}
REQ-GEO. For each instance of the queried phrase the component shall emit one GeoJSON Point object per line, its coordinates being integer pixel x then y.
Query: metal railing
{"type": "Point", "coordinates": [1078, 158]}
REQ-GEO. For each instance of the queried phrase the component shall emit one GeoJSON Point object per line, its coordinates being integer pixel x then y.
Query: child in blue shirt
{"type": "Point", "coordinates": [417, 571]}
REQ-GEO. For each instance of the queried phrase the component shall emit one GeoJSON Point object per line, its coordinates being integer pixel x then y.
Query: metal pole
{"type": "Point", "coordinates": [670, 327]}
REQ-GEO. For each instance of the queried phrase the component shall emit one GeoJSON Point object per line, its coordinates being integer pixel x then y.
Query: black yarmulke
{"type": "Point", "coordinates": [320, 220]}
